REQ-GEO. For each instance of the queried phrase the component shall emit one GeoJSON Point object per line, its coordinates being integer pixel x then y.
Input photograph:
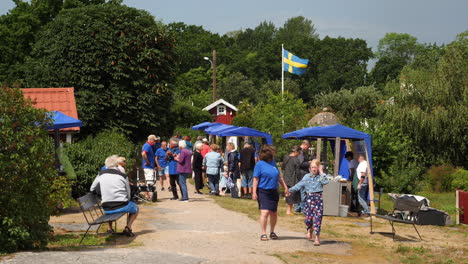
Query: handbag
{"type": "Point", "coordinates": [229, 183]}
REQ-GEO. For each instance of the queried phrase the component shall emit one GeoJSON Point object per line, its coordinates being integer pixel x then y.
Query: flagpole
{"type": "Point", "coordinates": [282, 70]}
{"type": "Point", "coordinates": [282, 83]}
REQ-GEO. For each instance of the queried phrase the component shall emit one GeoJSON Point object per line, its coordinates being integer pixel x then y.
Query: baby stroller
{"type": "Point", "coordinates": [143, 186]}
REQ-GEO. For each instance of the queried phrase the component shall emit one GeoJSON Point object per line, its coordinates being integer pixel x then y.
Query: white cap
{"type": "Point", "coordinates": [205, 140]}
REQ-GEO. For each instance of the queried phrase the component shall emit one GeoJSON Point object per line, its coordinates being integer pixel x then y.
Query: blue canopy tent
{"type": "Point", "coordinates": [204, 125]}
{"type": "Point", "coordinates": [215, 130]}
{"type": "Point", "coordinates": [61, 120]}
{"type": "Point", "coordinates": [339, 132]}
{"type": "Point", "coordinates": [246, 131]}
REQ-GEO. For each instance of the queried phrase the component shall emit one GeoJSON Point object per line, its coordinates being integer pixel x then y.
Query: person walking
{"type": "Point", "coordinates": [184, 168]}
{"type": "Point", "coordinates": [213, 162]}
{"type": "Point", "coordinates": [312, 186]}
{"type": "Point", "coordinates": [266, 178]}
{"type": "Point", "coordinates": [292, 175]}
{"type": "Point", "coordinates": [171, 153]}
{"type": "Point", "coordinates": [247, 164]}
{"type": "Point", "coordinates": [197, 166]}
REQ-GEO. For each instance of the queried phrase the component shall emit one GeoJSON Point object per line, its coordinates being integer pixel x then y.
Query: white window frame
{"type": "Point", "coordinates": [218, 110]}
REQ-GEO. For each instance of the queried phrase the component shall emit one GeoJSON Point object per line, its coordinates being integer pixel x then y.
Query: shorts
{"type": "Point", "coordinates": [131, 208]}
{"type": "Point", "coordinates": [149, 176]}
{"type": "Point", "coordinates": [247, 178]}
{"type": "Point", "coordinates": [268, 199]}
{"type": "Point", "coordinates": [164, 171]}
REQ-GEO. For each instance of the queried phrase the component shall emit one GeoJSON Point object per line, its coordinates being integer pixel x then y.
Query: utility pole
{"type": "Point", "coordinates": [214, 75]}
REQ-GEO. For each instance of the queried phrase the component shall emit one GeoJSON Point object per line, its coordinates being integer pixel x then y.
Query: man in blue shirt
{"type": "Point", "coordinates": [148, 161]}
{"type": "Point", "coordinates": [161, 164]}
{"type": "Point", "coordinates": [171, 153]}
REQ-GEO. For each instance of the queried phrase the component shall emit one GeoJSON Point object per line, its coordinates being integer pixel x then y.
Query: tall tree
{"type": "Point", "coordinates": [120, 62]}
{"type": "Point", "coordinates": [394, 51]}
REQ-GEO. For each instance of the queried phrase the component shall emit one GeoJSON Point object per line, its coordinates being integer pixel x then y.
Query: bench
{"type": "Point", "coordinates": [94, 213]}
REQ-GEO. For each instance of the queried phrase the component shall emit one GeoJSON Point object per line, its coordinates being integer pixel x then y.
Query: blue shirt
{"type": "Point", "coordinates": [172, 162]}
{"type": "Point", "coordinates": [161, 155]}
{"type": "Point", "coordinates": [213, 163]}
{"type": "Point", "coordinates": [156, 146]}
{"type": "Point", "coordinates": [310, 184]}
{"type": "Point", "coordinates": [150, 155]}
{"type": "Point", "coordinates": [267, 174]}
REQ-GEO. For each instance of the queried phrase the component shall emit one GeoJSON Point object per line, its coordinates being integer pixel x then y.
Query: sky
{"type": "Point", "coordinates": [428, 20]}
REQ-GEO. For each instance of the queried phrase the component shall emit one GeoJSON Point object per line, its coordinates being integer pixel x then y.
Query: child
{"type": "Point", "coordinates": [312, 185]}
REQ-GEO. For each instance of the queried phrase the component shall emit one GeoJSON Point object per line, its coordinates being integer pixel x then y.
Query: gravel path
{"type": "Point", "coordinates": [198, 231]}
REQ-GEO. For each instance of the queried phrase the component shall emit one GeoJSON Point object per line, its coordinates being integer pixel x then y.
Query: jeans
{"type": "Point", "coordinates": [183, 185]}
{"type": "Point", "coordinates": [247, 178]}
{"type": "Point", "coordinates": [214, 182]}
{"type": "Point", "coordinates": [362, 197]}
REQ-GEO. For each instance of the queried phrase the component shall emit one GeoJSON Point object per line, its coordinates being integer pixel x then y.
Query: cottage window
{"type": "Point", "coordinates": [221, 110]}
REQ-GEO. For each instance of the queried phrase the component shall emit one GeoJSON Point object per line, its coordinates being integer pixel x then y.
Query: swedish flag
{"type": "Point", "coordinates": [294, 64]}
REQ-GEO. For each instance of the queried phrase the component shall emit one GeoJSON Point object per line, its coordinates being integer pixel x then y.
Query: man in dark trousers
{"type": "Point", "coordinates": [247, 164]}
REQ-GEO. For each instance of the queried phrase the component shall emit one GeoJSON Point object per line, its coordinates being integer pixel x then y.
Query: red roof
{"type": "Point", "coordinates": [54, 99]}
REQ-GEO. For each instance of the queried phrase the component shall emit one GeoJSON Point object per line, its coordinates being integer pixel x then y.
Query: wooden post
{"type": "Point", "coordinates": [457, 207]}
{"type": "Point", "coordinates": [319, 148]}
{"type": "Point", "coordinates": [214, 75]}
{"type": "Point", "coordinates": [348, 145]}
{"type": "Point", "coordinates": [337, 156]}
{"type": "Point", "coordinates": [370, 180]}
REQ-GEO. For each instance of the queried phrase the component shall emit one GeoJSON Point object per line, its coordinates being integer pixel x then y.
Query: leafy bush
{"type": "Point", "coordinates": [460, 179]}
{"type": "Point", "coordinates": [440, 178]}
{"type": "Point", "coordinates": [60, 194]}
{"type": "Point", "coordinates": [88, 156]}
{"type": "Point", "coordinates": [27, 173]}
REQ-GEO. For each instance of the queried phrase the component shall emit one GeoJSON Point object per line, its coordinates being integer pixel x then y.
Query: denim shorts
{"type": "Point", "coordinates": [164, 171]}
{"type": "Point", "coordinates": [247, 178]}
{"type": "Point", "coordinates": [131, 208]}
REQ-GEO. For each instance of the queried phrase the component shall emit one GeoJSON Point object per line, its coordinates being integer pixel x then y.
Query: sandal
{"type": "Point", "coordinates": [264, 238]}
{"type": "Point", "coordinates": [128, 232]}
{"type": "Point", "coordinates": [273, 236]}
{"type": "Point", "coordinates": [110, 231]}
{"type": "Point", "coordinates": [317, 244]}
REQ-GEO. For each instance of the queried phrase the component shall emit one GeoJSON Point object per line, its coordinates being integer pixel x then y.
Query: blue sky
{"type": "Point", "coordinates": [428, 20]}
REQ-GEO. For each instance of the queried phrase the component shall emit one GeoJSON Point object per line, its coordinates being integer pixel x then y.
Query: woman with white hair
{"type": "Point", "coordinates": [115, 192]}
{"type": "Point", "coordinates": [184, 168]}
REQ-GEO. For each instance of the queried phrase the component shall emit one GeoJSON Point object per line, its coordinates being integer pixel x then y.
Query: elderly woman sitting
{"type": "Point", "coordinates": [115, 192]}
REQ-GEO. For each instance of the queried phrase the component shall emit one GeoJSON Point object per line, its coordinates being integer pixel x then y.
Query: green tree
{"type": "Point", "coordinates": [431, 106]}
{"type": "Point", "coordinates": [120, 62]}
{"type": "Point", "coordinates": [237, 87]}
{"type": "Point", "coordinates": [394, 51]}
{"type": "Point", "coordinates": [354, 105]}
{"type": "Point", "coordinates": [297, 29]}
{"type": "Point", "coordinates": [27, 173]}
{"type": "Point", "coordinates": [18, 30]}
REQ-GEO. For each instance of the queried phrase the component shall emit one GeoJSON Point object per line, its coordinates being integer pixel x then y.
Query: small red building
{"type": "Point", "coordinates": [222, 111]}
{"type": "Point", "coordinates": [55, 99]}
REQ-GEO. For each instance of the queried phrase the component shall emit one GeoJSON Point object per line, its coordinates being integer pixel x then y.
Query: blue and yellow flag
{"type": "Point", "coordinates": [294, 64]}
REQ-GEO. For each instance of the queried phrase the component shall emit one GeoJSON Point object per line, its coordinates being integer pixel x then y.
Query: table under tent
{"type": "Point", "coordinates": [337, 194]}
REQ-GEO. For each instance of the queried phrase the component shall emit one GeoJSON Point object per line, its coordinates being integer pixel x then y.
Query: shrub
{"type": "Point", "coordinates": [88, 156]}
{"type": "Point", "coordinates": [460, 179]}
{"type": "Point", "coordinates": [439, 177]}
{"type": "Point", "coordinates": [27, 173]}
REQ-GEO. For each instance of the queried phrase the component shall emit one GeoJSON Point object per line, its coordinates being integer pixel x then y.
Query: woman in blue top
{"type": "Point", "coordinates": [312, 185]}
{"type": "Point", "coordinates": [266, 177]}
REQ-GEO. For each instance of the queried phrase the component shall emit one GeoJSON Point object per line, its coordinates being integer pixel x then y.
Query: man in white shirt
{"type": "Point", "coordinates": [363, 186]}
{"type": "Point", "coordinates": [352, 164]}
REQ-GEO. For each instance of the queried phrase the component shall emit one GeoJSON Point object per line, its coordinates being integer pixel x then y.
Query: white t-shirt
{"type": "Point", "coordinates": [362, 167]}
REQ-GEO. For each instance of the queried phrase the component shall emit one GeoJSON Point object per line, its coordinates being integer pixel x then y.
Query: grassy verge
{"type": "Point", "coordinates": [71, 241]}
{"type": "Point", "coordinates": [443, 249]}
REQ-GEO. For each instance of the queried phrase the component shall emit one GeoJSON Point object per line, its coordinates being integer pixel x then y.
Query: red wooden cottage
{"type": "Point", "coordinates": [222, 111]}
